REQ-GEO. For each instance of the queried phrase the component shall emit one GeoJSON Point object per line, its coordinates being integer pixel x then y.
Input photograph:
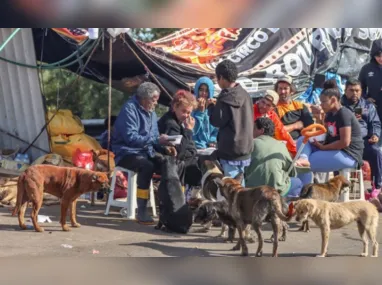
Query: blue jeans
{"type": "Point", "coordinates": [232, 170]}
{"type": "Point", "coordinates": [295, 187]}
{"type": "Point", "coordinates": [323, 160]}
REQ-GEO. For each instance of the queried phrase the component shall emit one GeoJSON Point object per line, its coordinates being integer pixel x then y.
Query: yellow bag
{"type": "Point", "coordinates": [64, 123]}
{"type": "Point", "coordinates": [67, 145]}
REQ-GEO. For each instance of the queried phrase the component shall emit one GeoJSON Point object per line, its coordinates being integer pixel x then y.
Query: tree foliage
{"type": "Point", "coordinates": [89, 99]}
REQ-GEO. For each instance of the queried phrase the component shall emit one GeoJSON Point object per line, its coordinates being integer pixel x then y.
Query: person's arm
{"type": "Point", "coordinates": [373, 122]}
{"type": "Point", "coordinates": [282, 135]}
{"type": "Point", "coordinates": [214, 135]}
{"type": "Point", "coordinates": [344, 126]}
{"type": "Point", "coordinates": [299, 125]}
{"type": "Point", "coordinates": [306, 117]}
{"type": "Point", "coordinates": [129, 125]}
{"type": "Point", "coordinates": [344, 141]}
{"type": "Point", "coordinates": [362, 79]}
{"type": "Point", "coordinates": [171, 128]}
{"type": "Point", "coordinates": [198, 116]}
{"type": "Point", "coordinates": [288, 163]}
{"type": "Point", "coordinates": [220, 114]}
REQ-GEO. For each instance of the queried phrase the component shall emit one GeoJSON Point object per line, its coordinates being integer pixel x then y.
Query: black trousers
{"type": "Point", "coordinates": [193, 174]}
{"type": "Point", "coordinates": [146, 166]}
{"type": "Point", "coordinates": [373, 154]}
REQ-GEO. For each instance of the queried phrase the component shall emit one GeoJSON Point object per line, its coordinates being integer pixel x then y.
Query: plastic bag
{"type": "Point", "coordinates": [64, 123]}
{"type": "Point", "coordinates": [83, 159]}
{"type": "Point", "coordinates": [66, 146]}
{"type": "Point", "coordinates": [120, 189]}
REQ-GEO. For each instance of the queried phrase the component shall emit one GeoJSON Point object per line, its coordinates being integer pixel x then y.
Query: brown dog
{"type": "Point", "coordinates": [63, 182]}
{"type": "Point", "coordinates": [329, 191]}
{"type": "Point", "coordinates": [329, 216]}
{"type": "Point", "coordinates": [210, 192]}
{"type": "Point", "coordinates": [253, 206]}
{"type": "Point", "coordinates": [102, 160]}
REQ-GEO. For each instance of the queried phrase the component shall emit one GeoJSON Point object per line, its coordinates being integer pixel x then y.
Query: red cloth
{"type": "Point", "coordinates": [280, 133]}
{"type": "Point", "coordinates": [120, 189]}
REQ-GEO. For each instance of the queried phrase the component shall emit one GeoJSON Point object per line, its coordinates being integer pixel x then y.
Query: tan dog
{"type": "Point", "coordinates": [329, 191]}
{"type": "Point", "coordinates": [8, 191]}
{"type": "Point", "coordinates": [252, 206]}
{"type": "Point", "coordinates": [329, 216]}
{"type": "Point", "coordinates": [63, 182]}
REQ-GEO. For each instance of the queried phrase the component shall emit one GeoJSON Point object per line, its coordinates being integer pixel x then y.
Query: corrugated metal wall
{"type": "Point", "coordinates": [21, 104]}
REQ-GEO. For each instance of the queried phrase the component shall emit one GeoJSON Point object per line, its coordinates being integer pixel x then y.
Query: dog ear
{"type": "Point", "coordinates": [239, 177]}
{"type": "Point", "coordinates": [218, 182]}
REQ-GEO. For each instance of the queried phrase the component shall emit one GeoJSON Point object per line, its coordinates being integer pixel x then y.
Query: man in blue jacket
{"type": "Point", "coordinates": [370, 124]}
{"type": "Point", "coordinates": [136, 142]}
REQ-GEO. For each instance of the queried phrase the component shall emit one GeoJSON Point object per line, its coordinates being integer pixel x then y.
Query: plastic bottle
{"type": "Point", "coordinates": [26, 159]}
{"type": "Point", "coordinates": [19, 158]}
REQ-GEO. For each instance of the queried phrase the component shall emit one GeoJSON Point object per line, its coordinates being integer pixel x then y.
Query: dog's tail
{"type": "Point", "coordinates": [277, 206]}
{"type": "Point", "coordinates": [20, 194]}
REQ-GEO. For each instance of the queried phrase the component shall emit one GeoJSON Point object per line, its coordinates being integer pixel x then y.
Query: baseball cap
{"type": "Point", "coordinates": [285, 78]}
{"type": "Point", "coordinates": [272, 96]}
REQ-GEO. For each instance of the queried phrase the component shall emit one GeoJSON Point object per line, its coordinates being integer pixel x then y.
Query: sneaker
{"type": "Point", "coordinates": [375, 193]}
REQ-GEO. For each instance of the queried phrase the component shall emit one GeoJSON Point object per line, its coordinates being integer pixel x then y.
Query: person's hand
{"type": "Point", "coordinates": [170, 150]}
{"type": "Point", "coordinates": [374, 139]}
{"type": "Point", "coordinates": [201, 104]}
{"type": "Point", "coordinates": [371, 100]}
{"type": "Point", "coordinates": [317, 112]}
{"type": "Point", "coordinates": [163, 140]}
{"type": "Point", "coordinates": [318, 145]}
{"type": "Point", "coordinates": [358, 116]}
{"type": "Point", "coordinates": [212, 144]}
{"type": "Point", "coordinates": [189, 123]}
{"type": "Point", "coordinates": [211, 101]}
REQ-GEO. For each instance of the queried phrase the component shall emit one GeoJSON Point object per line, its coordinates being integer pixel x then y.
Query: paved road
{"type": "Point", "coordinates": [113, 236]}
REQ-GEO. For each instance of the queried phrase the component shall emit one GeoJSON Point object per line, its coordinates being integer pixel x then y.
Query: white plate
{"type": "Point", "coordinates": [206, 151]}
{"type": "Point", "coordinates": [175, 139]}
{"type": "Point", "coordinates": [320, 138]}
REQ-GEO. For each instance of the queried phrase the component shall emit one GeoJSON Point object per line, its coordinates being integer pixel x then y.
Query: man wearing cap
{"type": "Point", "coordinates": [293, 114]}
{"type": "Point", "coordinates": [264, 107]}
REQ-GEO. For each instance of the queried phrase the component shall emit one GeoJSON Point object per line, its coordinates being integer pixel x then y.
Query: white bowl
{"type": "Point", "coordinates": [175, 140]}
{"type": "Point", "coordinates": [320, 138]}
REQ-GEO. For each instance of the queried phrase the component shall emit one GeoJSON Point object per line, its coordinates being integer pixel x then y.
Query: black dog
{"type": "Point", "coordinates": [211, 210]}
{"type": "Point", "coordinates": [174, 213]}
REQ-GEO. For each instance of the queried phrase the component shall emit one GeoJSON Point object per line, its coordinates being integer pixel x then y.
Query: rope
{"type": "Point", "coordinates": [146, 68]}
{"type": "Point", "coordinates": [109, 108]}
{"type": "Point", "coordinates": [67, 94]}
{"type": "Point", "coordinates": [54, 65]}
{"type": "Point", "coordinates": [9, 38]}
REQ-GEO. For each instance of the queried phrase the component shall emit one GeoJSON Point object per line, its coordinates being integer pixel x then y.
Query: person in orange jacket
{"type": "Point", "coordinates": [264, 107]}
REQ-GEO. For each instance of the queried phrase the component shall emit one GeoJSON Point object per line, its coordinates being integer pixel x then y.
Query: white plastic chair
{"type": "Point", "coordinates": [130, 202]}
{"type": "Point", "coordinates": [353, 196]}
